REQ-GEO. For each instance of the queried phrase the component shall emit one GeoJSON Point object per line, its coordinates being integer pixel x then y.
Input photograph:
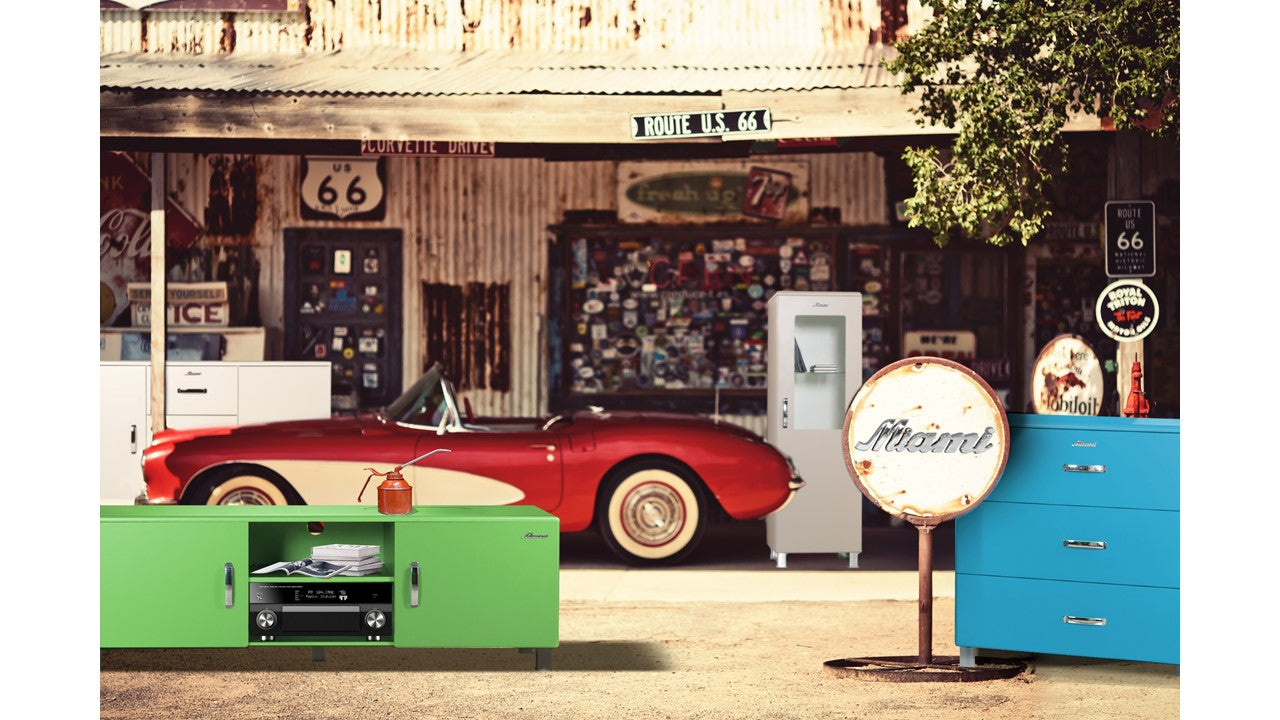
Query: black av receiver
{"type": "Point", "coordinates": [320, 611]}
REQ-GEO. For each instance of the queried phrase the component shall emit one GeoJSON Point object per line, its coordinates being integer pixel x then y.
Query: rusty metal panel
{"type": "Point", "coordinates": [399, 72]}
{"type": "Point", "coordinates": [456, 26]}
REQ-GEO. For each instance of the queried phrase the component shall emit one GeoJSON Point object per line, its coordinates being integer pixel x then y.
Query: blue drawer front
{"type": "Point", "coordinates": [1138, 469]}
{"type": "Point", "coordinates": [995, 613]}
{"type": "Point", "coordinates": [1027, 541]}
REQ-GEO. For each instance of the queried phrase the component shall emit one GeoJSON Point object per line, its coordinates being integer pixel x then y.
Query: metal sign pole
{"type": "Point", "coordinates": [926, 594]}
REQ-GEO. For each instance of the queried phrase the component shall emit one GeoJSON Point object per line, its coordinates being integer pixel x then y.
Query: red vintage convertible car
{"type": "Point", "coordinates": [650, 482]}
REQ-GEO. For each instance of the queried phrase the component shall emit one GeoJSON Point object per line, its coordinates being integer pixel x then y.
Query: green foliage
{"type": "Point", "coordinates": [1005, 76]}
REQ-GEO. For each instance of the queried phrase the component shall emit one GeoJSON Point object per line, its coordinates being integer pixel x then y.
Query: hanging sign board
{"type": "Point", "coordinates": [669, 126]}
{"type": "Point", "coordinates": [345, 188]}
{"type": "Point", "coordinates": [1067, 379]}
{"type": "Point", "coordinates": [713, 192]}
{"type": "Point", "coordinates": [1127, 310]}
{"type": "Point", "coordinates": [926, 439]}
{"type": "Point", "coordinates": [427, 148]}
{"type": "Point", "coordinates": [1131, 239]}
{"type": "Point", "coordinates": [202, 304]}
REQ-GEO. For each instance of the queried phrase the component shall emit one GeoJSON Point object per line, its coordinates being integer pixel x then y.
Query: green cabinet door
{"type": "Point", "coordinates": [481, 582]}
{"type": "Point", "coordinates": [164, 583]}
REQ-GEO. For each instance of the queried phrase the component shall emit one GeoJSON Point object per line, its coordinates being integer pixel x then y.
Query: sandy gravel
{"type": "Point", "coordinates": [636, 660]}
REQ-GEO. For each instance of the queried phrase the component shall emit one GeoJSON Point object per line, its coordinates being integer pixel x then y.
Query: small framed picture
{"type": "Point", "coordinates": [342, 262]}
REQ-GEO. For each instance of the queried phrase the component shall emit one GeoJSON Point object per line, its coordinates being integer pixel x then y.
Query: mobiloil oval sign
{"type": "Point", "coordinates": [926, 439]}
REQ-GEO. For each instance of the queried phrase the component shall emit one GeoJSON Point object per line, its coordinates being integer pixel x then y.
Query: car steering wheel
{"type": "Point", "coordinates": [548, 424]}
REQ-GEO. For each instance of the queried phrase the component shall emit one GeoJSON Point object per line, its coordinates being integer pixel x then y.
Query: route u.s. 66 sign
{"type": "Point", "coordinates": [346, 188]}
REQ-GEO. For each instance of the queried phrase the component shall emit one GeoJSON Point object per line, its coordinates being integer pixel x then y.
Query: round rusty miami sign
{"type": "Point", "coordinates": [926, 439]}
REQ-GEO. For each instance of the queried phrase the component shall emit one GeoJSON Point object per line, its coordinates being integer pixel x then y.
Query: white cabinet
{"type": "Point", "coordinates": [123, 430]}
{"type": "Point", "coordinates": [197, 394]}
{"type": "Point", "coordinates": [815, 368]}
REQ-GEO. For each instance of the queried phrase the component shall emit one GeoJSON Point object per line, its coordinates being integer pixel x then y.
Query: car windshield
{"type": "Point", "coordinates": [424, 403]}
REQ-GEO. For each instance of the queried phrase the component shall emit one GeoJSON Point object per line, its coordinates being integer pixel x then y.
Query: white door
{"type": "Point", "coordinates": [123, 430]}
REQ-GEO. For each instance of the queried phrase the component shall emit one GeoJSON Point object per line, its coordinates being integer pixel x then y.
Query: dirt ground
{"type": "Point", "coordinates": [636, 660]}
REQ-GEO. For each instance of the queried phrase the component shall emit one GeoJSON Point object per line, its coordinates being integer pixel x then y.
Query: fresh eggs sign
{"type": "Point", "coordinates": [926, 439]}
{"type": "Point", "coordinates": [1127, 310]}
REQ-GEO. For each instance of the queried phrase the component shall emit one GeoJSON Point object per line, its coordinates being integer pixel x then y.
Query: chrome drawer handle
{"type": "Point", "coordinates": [413, 584]}
{"type": "Point", "coordinates": [1074, 620]}
{"type": "Point", "coordinates": [1085, 468]}
{"type": "Point", "coordinates": [228, 578]}
{"type": "Point", "coordinates": [784, 413]}
{"type": "Point", "coordinates": [1085, 544]}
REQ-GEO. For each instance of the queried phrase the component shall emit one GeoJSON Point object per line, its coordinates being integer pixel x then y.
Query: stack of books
{"type": "Point", "coordinates": [354, 559]}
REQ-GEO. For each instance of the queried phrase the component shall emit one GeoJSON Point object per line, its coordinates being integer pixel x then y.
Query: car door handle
{"type": "Point", "coordinates": [413, 584]}
{"type": "Point", "coordinates": [548, 448]}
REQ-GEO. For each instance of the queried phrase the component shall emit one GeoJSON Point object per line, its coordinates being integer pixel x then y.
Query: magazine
{"type": "Point", "coordinates": [308, 567]}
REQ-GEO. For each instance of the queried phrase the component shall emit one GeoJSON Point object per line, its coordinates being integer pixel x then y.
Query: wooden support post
{"type": "Point", "coordinates": [158, 293]}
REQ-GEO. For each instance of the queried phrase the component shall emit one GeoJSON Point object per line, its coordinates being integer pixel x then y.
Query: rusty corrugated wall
{"type": "Point", "coordinates": [481, 221]}
{"type": "Point", "coordinates": [456, 25]}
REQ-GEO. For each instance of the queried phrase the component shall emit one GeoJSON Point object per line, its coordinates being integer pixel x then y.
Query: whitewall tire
{"type": "Point", "coordinates": [651, 512]}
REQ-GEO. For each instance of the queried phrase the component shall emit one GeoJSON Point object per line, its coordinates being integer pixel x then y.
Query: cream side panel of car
{"type": "Point", "coordinates": [329, 482]}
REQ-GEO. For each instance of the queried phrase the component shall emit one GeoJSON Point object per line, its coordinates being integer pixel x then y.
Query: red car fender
{"type": "Point", "coordinates": [747, 477]}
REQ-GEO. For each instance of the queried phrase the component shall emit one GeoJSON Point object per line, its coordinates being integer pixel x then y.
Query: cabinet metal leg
{"type": "Point", "coordinates": [782, 559]}
{"type": "Point", "coordinates": [542, 658]}
{"type": "Point", "coordinates": [968, 657]}
{"type": "Point", "coordinates": [853, 560]}
{"type": "Point", "coordinates": [317, 653]}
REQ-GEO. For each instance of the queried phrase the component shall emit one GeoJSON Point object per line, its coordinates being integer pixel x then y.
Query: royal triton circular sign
{"type": "Point", "coordinates": [926, 439]}
{"type": "Point", "coordinates": [1127, 310]}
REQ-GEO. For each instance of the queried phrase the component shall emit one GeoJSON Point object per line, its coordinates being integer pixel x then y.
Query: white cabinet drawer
{"type": "Point", "coordinates": [187, 422]}
{"type": "Point", "coordinates": [201, 390]}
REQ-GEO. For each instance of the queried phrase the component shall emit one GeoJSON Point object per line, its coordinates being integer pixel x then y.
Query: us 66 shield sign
{"type": "Point", "coordinates": [343, 187]}
{"type": "Point", "coordinates": [664, 126]}
{"type": "Point", "coordinates": [1131, 239]}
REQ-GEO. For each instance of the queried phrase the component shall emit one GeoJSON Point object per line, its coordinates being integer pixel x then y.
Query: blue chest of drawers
{"type": "Point", "coordinates": [1075, 552]}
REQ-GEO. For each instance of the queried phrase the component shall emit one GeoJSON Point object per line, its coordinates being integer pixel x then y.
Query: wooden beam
{"type": "Point", "coordinates": [863, 112]}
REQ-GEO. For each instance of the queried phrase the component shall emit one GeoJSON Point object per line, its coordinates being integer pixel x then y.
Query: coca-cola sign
{"type": "Point", "coordinates": [125, 231]}
{"type": "Point", "coordinates": [926, 439]}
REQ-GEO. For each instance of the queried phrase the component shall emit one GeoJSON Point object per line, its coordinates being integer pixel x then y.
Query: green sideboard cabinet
{"type": "Point", "coordinates": [458, 576]}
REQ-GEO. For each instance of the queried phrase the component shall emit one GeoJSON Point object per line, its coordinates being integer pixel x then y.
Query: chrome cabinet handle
{"type": "Point", "coordinates": [133, 439]}
{"type": "Point", "coordinates": [1085, 544]}
{"type": "Point", "coordinates": [1076, 620]}
{"type": "Point", "coordinates": [1085, 468]}
{"type": "Point", "coordinates": [548, 448]}
{"type": "Point", "coordinates": [784, 412]}
{"type": "Point", "coordinates": [413, 584]}
{"type": "Point", "coordinates": [202, 391]}
{"type": "Point", "coordinates": [228, 579]}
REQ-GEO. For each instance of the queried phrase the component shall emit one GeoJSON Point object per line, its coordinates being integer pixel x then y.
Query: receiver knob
{"type": "Point", "coordinates": [375, 619]}
{"type": "Point", "coordinates": [266, 619]}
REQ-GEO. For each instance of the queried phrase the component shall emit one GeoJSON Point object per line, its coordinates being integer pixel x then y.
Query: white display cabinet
{"type": "Point", "coordinates": [815, 367]}
{"type": "Point", "coordinates": [197, 394]}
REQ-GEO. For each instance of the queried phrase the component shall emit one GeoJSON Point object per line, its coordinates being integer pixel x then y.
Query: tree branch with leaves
{"type": "Point", "coordinates": [1005, 77]}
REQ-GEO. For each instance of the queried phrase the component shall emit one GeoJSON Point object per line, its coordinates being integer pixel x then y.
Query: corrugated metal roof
{"type": "Point", "coordinates": [391, 71]}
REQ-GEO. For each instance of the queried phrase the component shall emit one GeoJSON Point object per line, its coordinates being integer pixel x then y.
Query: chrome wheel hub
{"type": "Point", "coordinates": [653, 514]}
{"type": "Point", "coordinates": [246, 496]}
